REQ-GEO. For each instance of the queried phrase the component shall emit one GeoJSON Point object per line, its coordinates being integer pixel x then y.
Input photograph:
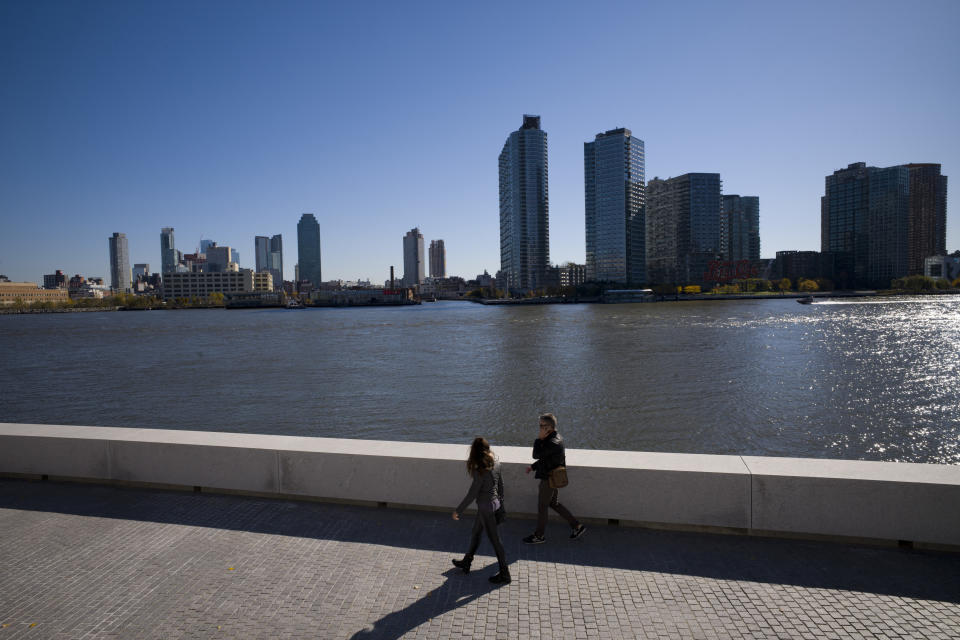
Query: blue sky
{"type": "Point", "coordinates": [227, 120]}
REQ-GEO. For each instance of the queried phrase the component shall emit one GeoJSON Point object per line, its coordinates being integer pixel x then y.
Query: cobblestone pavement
{"type": "Point", "coordinates": [88, 561]}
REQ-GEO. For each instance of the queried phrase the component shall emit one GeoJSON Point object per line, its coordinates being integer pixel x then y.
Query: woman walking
{"type": "Point", "coordinates": [487, 490]}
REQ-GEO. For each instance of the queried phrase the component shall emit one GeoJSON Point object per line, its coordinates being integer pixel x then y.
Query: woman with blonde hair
{"type": "Point", "coordinates": [487, 491]}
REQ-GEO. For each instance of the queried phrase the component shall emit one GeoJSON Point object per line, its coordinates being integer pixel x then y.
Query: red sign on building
{"type": "Point", "coordinates": [727, 271]}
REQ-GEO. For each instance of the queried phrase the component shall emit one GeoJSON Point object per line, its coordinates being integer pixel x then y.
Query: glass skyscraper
{"type": "Point", "coordinates": [308, 249]}
{"type": "Point", "coordinates": [613, 175]}
{"type": "Point", "coordinates": [740, 228]}
{"type": "Point", "coordinates": [524, 207]}
{"type": "Point", "coordinates": [168, 252]}
{"type": "Point", "coordinates": [269, 257]}
{"type": "Point", "coordinates": [120, 274]}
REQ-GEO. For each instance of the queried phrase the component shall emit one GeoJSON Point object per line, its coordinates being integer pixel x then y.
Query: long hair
{"type": "Point", "coordinates": [481, 458]}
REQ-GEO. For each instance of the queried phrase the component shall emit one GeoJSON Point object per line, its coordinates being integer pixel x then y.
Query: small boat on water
{"type": "Point", "coordinates": [805, 300]}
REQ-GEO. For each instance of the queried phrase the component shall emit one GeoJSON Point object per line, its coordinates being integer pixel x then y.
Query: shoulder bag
{"type": "Point", "coordinates": [558, 478]}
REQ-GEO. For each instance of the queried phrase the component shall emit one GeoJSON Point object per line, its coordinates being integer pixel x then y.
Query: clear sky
{"type": "Point", "coordinates": [227, 120]}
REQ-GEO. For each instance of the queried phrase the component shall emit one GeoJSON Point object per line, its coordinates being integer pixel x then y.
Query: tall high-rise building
{"type": "Point", "coordinates": [683, 227]}
{"type": "Point", "coordinates": [524, 207]}
{"type": "Point", "coordinates": [928, 215]}
{"type": "Point", "coordinates": [740, 228]}
{"type": "Point", "coordinates": [141, 270]}
{"type": "Point", "coordinates": [412, 258]}
{"type": "Point", "coordinates": [120, 274]}
{"type": "Point", "coordinates": [269, 257]}
{"type": "Point", "coordinates": [308, 249]}
{"type": "Point", "coordinates": [888, 225]}
{"type": "Point", "coordinates": [168, 252]}
{"type": "Point", "coordinates": [276, 260]}
{"type": "Point", "coordinates": [438, 259]}
{"type": "Point", "coordinates": [261, 252]}
{"type": "Point", "coordinates": [877, 222]}
{"type": "Point", "coordinates": [613, 176]}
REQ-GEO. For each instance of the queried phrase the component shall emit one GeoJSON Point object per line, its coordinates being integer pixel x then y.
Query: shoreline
{"type": "Point", "coordinates": [699, 297]}
{"type": "Point", "coordinates": [694, 297]}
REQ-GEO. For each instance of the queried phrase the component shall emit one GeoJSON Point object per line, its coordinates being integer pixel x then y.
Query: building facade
{"type": "Point", "coordinates": [413, 267]}
{"type": "Point", "coordinates": [945, 267]}
{"type": "Point", "coordinates": [888, 225]}
{"type": "Point", "coordinates": [614, 181]}
{"type": "Point", "coordinates": [168, 251]}
{"type": "Point", "coordinates": [804, 264]}
{"type": "Point", "coordinates": [120, 275]}
{"type": "Point", "coordinates": [572, 274]}
{"type": "Point", "coordinates": [29, 292]}
{"type": "Point", "coordinates": [928, 215]}
{"type": "Point", "coordinates": [57, 280]}
{"type": "Point", "coordinates": [202, 284]}
{"type": "Point", "coordinates": [218, 258]}
{"type": "Point", "coordinates": [308, 249]}
{"type": "Point", "coordinates": [269, 257]}
{"type": "Point", "coordinates": [524, 207]}
{"type": "Point", "coordinates": [882, 223]}
{"type": "Point", "coordinates": [438, 259]}
{"type": "Point", "coordinates": [682, 227]}
{"type": "Point", "coordinates": [740, 228]}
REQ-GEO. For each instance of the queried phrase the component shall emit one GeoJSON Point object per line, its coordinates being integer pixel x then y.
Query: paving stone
{"type": "Point", "coordinates": [90, 561]}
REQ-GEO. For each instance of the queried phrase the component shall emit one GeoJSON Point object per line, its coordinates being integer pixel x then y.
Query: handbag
{"type": "Point", "coordinates": [558, 478]}
{"type": "Point", "coordinates": [500, 514]}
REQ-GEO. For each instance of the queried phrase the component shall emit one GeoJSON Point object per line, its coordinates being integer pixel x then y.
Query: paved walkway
{"type": "Point", "coordinates": [88, 561]}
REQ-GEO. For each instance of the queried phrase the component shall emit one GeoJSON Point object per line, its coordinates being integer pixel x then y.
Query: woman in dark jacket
{"type": "Point", "coordinates": [487, 491]}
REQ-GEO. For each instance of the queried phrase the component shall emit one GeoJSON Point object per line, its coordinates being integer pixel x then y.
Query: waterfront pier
{"type": "Point", "coordinates": [116, 556]}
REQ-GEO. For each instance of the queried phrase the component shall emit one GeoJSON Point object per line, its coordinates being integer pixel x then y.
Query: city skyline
{"type": "Point", "coordinates": [228, 138]}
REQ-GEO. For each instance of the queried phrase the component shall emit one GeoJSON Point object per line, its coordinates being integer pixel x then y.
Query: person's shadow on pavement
{"type": "Point", "coordinates": [457, 591]}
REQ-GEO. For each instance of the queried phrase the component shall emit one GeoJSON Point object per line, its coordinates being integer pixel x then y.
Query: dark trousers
{"type": "Point", "coordinates": [547, 497]}
{"type": "Point", "coordinates": [487, 521]}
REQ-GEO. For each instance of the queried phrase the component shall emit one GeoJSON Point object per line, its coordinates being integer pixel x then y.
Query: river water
{"type": "Point", "coordinates": [872, 379]}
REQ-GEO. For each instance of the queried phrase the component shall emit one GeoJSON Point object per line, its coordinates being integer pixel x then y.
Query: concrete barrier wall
{"type": "Point", "coordinates": [877, 500]}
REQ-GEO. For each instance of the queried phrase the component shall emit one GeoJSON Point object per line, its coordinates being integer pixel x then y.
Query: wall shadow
{"type": "Point", "coordinates": [908, 573]}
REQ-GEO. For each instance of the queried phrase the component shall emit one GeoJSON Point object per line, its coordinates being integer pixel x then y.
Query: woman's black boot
{"type": "Point", "coordinates": [501, 578]}
{"type": "Point", "coordinates": [463, 564]}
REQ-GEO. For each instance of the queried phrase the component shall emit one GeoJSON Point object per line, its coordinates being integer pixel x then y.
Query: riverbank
{"type": "Point", "coordinates": [10, 311]}
{"type": "Point", "coordinates": [701, 297]}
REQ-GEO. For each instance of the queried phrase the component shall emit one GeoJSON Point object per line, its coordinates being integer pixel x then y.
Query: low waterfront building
{"type": "Point", "coordinates": [947, 267]}
{"type": "Point", "coordinates": [29, 293]}
{"type": "Point", "coordinates": [452, 287]}
{"type": "Point", "coordinates": [201, 285]}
